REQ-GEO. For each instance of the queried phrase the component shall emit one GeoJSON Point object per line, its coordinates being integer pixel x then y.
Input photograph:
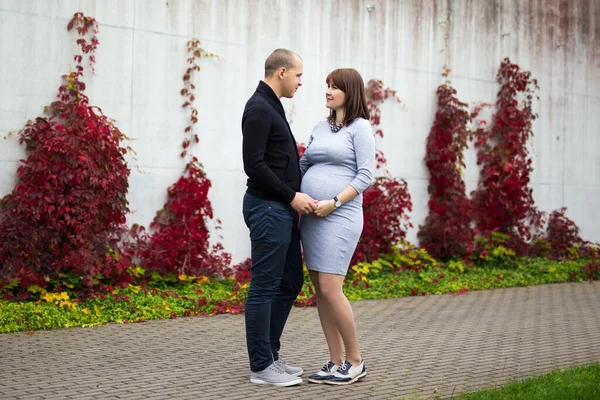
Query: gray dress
{"type": "Point", "coordinates": [333, 161]}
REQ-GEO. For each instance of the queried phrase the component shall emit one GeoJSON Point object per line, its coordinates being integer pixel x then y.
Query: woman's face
{"type": "Point", "coordinates": [335, 98]}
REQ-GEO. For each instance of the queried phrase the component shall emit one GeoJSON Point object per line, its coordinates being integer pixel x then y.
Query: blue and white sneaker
{"type": "Point", "coordinates": [325, 373]}
{"type": "Point", "coordinates": [347, 374]}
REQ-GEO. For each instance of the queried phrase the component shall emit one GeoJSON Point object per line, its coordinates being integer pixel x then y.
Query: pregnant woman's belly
{"type": "Point", "coordinates": [325, 181]}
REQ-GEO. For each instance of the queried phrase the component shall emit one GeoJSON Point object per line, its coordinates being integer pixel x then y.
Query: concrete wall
{"type": "Point", "coordinates": [142, 56]}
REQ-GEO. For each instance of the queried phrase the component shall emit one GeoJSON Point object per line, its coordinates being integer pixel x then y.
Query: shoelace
{"type": "Point", "coordinates": [343, 369]}
{"type": "Point", "coordinates": [327, 367]}
{"type": "Point", "coordinates": [277, 369]}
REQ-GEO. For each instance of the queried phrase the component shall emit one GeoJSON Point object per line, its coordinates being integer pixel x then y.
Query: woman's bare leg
{"type": "Point", "coordinates": [340, 312]}
{"type": "Point", "coordinates": [328, 323]}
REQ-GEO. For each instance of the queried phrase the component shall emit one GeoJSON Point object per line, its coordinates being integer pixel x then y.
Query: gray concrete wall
{"type": "Point", "coordinates": [142, 53]}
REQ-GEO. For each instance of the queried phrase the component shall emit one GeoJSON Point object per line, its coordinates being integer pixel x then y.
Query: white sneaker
{"type": "Point", "coordinates": [273, 375]}
{"type": "Point", "coordinates": [347, 374]}
{"type": "Point", "coordinates": [287, 368]}
{"type": "Point", "coordinates": [325, 373]}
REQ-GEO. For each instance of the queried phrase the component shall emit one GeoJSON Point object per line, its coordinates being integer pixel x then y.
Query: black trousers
{"type": "Point", "coordinates": [277, 276]}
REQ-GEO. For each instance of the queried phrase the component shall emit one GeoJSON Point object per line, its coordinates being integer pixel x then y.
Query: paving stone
{"type": "Point", "coordinates": [447, 344]}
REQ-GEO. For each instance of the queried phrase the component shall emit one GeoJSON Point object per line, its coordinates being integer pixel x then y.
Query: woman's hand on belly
{"type": "Point", "coordinates": [324, 208]}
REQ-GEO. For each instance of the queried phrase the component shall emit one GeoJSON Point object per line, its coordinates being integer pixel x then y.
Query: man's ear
{"type": "Point", "coordinates": [281, 72]}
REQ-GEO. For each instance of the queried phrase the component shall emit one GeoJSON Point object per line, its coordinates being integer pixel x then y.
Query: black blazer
{"type": "Point", "coordinates": [269, 148]}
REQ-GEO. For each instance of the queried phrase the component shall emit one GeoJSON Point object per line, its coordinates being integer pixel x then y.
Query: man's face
{"type": "Point", "coordinates": [292, 79]}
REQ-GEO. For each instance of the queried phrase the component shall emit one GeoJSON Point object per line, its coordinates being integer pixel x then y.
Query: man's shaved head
{"type": "Point", "coordinates": [280, 58]}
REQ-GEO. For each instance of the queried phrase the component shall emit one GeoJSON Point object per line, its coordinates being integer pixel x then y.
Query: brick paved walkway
{"type": "Point", "coordinates": [412, 347]}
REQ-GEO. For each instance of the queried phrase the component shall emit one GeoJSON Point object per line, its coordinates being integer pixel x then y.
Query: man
{"type": "Point", "coordinates": [271, 206]}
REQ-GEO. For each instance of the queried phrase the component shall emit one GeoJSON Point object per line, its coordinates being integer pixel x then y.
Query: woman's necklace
{"type": "Point", "coordinates": [334, 127]}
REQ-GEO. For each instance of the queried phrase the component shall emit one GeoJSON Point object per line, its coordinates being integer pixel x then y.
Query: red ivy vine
{"type": "Point", "coordinates": [69, 204]}
{"type": "Point", "coordinates": [562, 234]}
{"type": "Point", "coordinates": [377, 95]}
{"type": "Point", "coordinates": [503, 200]}
{"type": "Point", "coordinates": [63, 222]}
{"type": "Point", "coordinates": [179, 242]}
{"type": "Point", "coordinates": [447, 230]}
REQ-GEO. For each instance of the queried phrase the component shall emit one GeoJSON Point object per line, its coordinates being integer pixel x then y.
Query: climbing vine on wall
{"type": "Point", "coordinates": [68, 208]}
{"type": "Point", "coordinates": [179, 242]}
{"type": "Point", "coordinates": [62, 225]}
{"type": "Point", "coordinates": [503, 200]}
{"type": "Point", "coordinates": [447, 230]}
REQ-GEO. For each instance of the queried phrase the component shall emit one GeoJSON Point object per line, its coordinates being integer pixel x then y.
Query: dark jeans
{"type": "Point", "coordinates": [277, 276]}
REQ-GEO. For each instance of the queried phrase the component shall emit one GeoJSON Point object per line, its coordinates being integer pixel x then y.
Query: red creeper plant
{"type": "Point", "coordinates": [386, 203]}
{"type": "Point", "coordinates": [562, 234]}
{"type": "Point", "coordinates": [377, 95]}
{"type": "Point", "coordinates": [69, 204]}
{"type": "Point", "coordinates": [180, 239]}
{"type": "Point", "coordinates": [591, 270]}
{"type": "Point", "coordinates": [241, 272]}
{"type": "Point", "coordinates": [188, 91]}
{"type": "Point", "coordinates": [447, 230]}
{"type": "Point", "coordinates": [503, 201]}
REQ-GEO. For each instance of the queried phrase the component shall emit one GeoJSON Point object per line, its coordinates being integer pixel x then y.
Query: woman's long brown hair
{"type": "Point", "coordinates": [349, 81]}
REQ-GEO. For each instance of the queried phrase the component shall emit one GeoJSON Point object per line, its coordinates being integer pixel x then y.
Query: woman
{"type": "Point", "coordinates": [337, 167]}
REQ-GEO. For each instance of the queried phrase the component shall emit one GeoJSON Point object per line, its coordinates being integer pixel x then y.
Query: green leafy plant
{"type": "Point", "coordinates": [561, 234]}
{"type": "Point", "coordinates": [573, 383]}
{"type": "Point", "coordinates": [410, 273]}
{"type": "Point", "coordinates": [492, 249]}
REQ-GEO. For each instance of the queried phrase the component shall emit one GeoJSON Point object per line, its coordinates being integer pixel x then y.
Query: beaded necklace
{"type": "Point", "coordinates": [334, 127]}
